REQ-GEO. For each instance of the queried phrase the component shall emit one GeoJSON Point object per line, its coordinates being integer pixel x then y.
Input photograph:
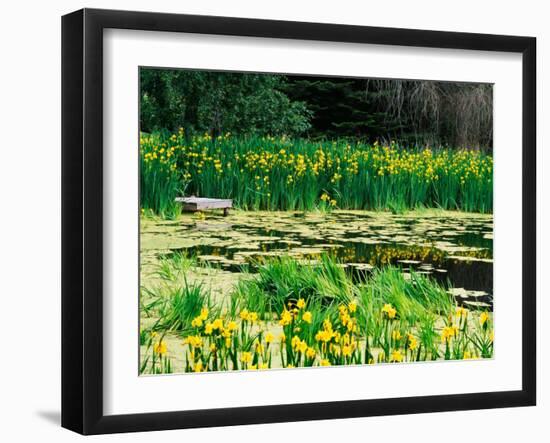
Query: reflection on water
{"type": "Point", "coordinates": [456, 250]}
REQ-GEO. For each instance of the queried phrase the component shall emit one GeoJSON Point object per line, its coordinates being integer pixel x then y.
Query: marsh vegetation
{"type": "Point", "coordinates": [362, 229]}
{"type": "Point", "coordinates": [224, 293]}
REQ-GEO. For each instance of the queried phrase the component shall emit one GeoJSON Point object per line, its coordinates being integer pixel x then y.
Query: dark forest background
{"type": "Point", "coordinates": [412, 113]}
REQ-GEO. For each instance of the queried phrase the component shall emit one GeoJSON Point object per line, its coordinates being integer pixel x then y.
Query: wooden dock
{"type": "Point", "coordinates": [194, 204]}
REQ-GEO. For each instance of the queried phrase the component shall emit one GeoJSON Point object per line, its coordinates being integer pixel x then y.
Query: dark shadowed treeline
{"type": "Point", "coordinates": [413, 113]}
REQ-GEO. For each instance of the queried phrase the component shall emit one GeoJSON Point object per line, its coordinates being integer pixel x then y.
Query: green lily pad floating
{"type": "Point", "coordinates": [470, 259]}
{"type": "Point", "coordinates": [250, 247]}
{"type": "Point", "coordinates": [290, 242]}
{"type": "Point", "coordinates": [360, 266]}
{"type": "Point", "coordinates": [465, 293]}
{"type": "Point", "coordinates": [426, 240]}
{"type": "Point", "coordinates": [477, 304]}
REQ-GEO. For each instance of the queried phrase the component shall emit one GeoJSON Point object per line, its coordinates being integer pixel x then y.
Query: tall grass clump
{"type": "Point", "coordinates": [415, 296]}
{"type": "Point", "coordinates": [268, 173]}
{"type": "Point", "coordinates": [183, 303]}
{"type": "Point", "coordinates": [284, 279]}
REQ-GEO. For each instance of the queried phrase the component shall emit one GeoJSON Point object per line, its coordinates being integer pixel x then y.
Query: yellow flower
{"type": "Point", "coordinates": [307, 317]}
{"type": "Point", "coordinates": [389, 311]}
{"type": "Point", "coordinates": [204, 313]}
{"type": "Point", "coordinates": [198, 366]}
{"type": "Point", "coordinates": [282, 337]}
{"type": "Point", "coordinates": [310, 353]}
{"type": "Point", "coordinates": [252, 317]}
{"type": "Point", "coordinates": [194, 341]}
{"type": "Point", "coordinates": [396, 335]}
{"type": "Point", "coordinates": [252, 367]}
{"type": "Point", "coordinates": [269, 337]}
{"type": "Point", "coordinates": [212, 347]}
{"type": "Point", "coordinates": [263, 366]}
{"type": "Point", "coordinates": [218, 324]}
{"type": "Point", "coordinates": [231, 326]}
{"type": "Point", "coordinates": [461, 312]}
{"type": "Point", "coordinates": [196, 322]}
{"type": "Point", "coordinates": [323, 335]}
{"type": "Point", "coordinates": [301, 303]}
{"type": "Point", "coordinates": [448, 332]}
{"type": "Point", "coordinates": [484, 316]}
{"type": "Point", "coordinates": [324, 362]}
{"type": "Point", "coordinates": [286, 318]}
{"type": "Point", "coordinates": [160, 348]}
{"type": "Point", "coordinates": [413, 342]}
{"type": "Point", "coordinates": [346, 350]}
{"type": "Point", "coordinates": [467, 355]}
{"type": "Point", "coordinates": [208, 328]}
{"type": "Point", "coordinates": [246, 357]}
{"type": "Point", "coordinates": [396, 356]}
{"type": "Point", "coordinates": [244, 314]}
{"type": "Point", "coordinates": [352, 307]}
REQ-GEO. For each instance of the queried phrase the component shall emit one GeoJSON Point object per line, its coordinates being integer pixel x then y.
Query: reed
{"type": "Point", "coordinates": [267, 173]}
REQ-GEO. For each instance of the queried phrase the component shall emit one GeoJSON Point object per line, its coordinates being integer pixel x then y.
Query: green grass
{"type": "Point", "coordinates": [266, 173]}
{"type": "Point", "coordinates": [324, 284]}
{"type": "Point", "coordinates": [285, 279]}
{"type": "Point", "coordinates": [417, 299]}
{"type": "Point", "coordinates": [174, 265]}
{"type": "Point", "coordinates": [183, 303]}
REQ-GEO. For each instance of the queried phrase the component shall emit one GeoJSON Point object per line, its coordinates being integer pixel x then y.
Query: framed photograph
{"type": "Point", "coordinates": [269, 221]}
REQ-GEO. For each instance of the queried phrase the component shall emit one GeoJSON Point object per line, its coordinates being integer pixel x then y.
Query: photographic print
{"type": "Point", "coordinates": [291, 221]}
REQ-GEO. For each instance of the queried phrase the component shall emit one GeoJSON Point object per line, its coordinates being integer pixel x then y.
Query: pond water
{"type": "Point", "coordinates": [453, 247]}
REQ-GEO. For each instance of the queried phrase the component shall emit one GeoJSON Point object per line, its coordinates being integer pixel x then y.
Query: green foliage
{"type": "Point", "coordinates": [216, 102]}
{"type": "Point", "coordinates": [342, 107]}
{"type": "Point", "coordinates": [159, 181]}
{"type": "Point", "coordinates": [413, 297]}
{"type": "Point", "coordinates": [284, 279]}
{"type": "Point", "coordinates": [417, 113]}
{"type": "Point", "coordinates": [183, 303]}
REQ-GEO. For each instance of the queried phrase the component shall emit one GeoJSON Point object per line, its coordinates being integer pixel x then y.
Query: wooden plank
{"type": "Point", "coordinates": [200, 203]}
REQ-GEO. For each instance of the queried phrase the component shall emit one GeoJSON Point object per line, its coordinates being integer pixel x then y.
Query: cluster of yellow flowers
{"type": "Point", "coordinates": [449, 332]}
{"type": "Point", "coordinates": [334, 162]}
{"type": "Point", "coordinates": [326, 199]}
{"type": "Point", "coordinates": [246, 342]}
{"type": "Point", "coordinates": [332, 344]}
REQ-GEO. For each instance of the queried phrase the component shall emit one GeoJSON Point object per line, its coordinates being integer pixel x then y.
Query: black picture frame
{"type": "Point", "coordinates": [82, 220]}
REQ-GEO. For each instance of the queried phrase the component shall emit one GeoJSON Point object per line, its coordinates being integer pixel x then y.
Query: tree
{"type": "Point", "coordinates": [216, 102]}
{"type": "Point", "coordinates": [412, 112]}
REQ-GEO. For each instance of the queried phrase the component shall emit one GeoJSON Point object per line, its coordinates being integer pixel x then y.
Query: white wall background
{"type": "Point", "coordinates": [30, 217]}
